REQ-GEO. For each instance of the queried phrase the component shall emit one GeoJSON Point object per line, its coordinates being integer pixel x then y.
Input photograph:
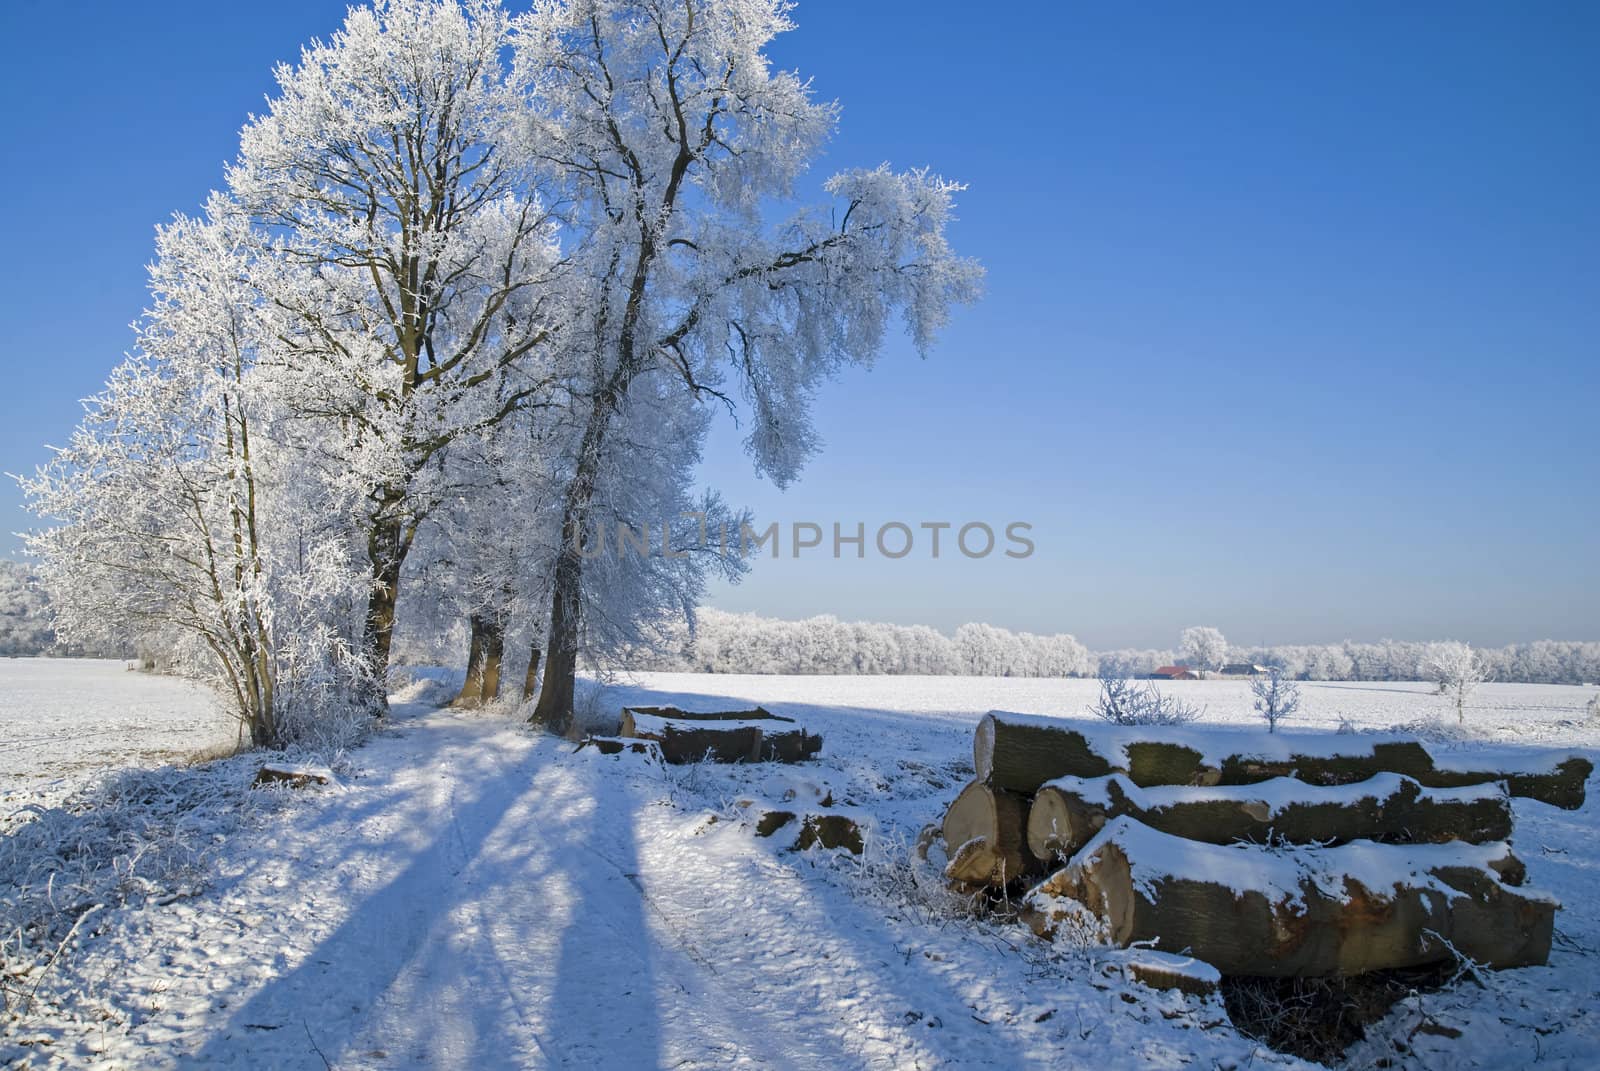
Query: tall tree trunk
{"type": "Point", "coordinates": [494, 649]}
{"type": "Point", "coordinates": [530, 682]}
{"type": "Point", "coordinates": [554, 710]}
{"type": "Point", "coordinates": [386, 552]}
{"type": "Point", "coordinates": [471, 693]}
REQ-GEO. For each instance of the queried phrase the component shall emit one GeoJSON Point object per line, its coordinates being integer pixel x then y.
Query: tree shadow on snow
{"type": "Point", "coordinates": [448, 963]}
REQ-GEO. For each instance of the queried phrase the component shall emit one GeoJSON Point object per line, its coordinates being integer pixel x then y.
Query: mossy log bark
{"type": "Point", "coordinates": [1339, 914]}
{"type": "Point", "coordinates": [1388, 808]}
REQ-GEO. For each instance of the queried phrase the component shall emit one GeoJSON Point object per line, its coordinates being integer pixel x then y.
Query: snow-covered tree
{"type": "Point", "coordinates": [1276, 697]}
{"type": "Point", "coordinates": [1458, 670]}
{"type": "Point", "coordinates": [655, 540]}
{"type": "Point", "coordinates": [1204, 648]}
{"type": "Point", "coordinates": [409, 260]}
{"type": "Point", "coordinates": [674, 141]}
{"type": "Point", "coordinates": [177, 520]}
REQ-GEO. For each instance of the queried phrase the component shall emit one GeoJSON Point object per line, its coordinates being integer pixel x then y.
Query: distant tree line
{"type": "Point", "coordinates": [25, 624]}
{"type": "Point", "coordinates": [721, 642]}
{"type": "Point", "coordinates": [24, 613]}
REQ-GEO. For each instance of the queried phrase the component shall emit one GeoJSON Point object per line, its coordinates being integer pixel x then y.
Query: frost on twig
{"type": "Point", "coordinates": [1122, 702]}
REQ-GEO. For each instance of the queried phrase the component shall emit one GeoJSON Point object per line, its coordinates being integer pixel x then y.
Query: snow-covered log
{"type": "Point", "coordinates": [1390, 808]}
{"type": "Point", "coordinates": [1249, 910]}
{"type": "Point", "coordinates": [617, 745]}
{"type": "Point", "coordinates": [1554, 777]}
{"type": "Point", "coordinates": [1163, 970]}
{"type": "Point", "coordinates": [295, 775]}
{"type": "Point", "coordinates": [984, 834]}
{"type": "Point", "coordinates": [1020, 752]}
{"type": "Point", "coordinates": [721, 736]}
{"type": "Point", "coordinates": [830, 831]}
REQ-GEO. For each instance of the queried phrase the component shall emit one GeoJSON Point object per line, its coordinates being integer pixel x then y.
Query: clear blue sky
{"type": "Point", "coordinates": [1292, 322]}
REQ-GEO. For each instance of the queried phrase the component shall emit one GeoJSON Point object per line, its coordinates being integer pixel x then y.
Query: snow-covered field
{"type": "Point", "coordinates": [63, 720]}
{"type": "Point", "coordinates": [474, 895]}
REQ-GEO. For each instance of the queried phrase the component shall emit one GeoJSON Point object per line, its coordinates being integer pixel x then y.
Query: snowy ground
{"type": "Point", "coordinates": [473, 895]}
{"type": "Point", "coordinates": [63, 720]}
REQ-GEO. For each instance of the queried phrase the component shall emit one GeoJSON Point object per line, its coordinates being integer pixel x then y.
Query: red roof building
{"type": "Point", "coordinates": [1173, 673]}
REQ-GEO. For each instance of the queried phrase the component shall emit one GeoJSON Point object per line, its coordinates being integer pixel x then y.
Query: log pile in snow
{"type": "Point", "coordinates": [1268, 855]}
{"type": "Point", "coordinates": [720, 736]}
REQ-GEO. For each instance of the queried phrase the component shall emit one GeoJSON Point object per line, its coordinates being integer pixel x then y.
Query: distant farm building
{"type": "Point", "coordinates": [1173, 673]}
{"type": "Point", "coordinates": [1243, 669]}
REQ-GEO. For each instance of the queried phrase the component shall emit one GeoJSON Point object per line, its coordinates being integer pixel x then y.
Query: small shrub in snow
{"type": "Point", "coordinates": [1459, 670]}
{"type": "Point", "coordinates": [1123, 702]}
{"type": "Point", "coordinates": [1276, 697]}
{"type": "Point", "coordinates": [904, 879]}
{"type": "Point", "coordinates": [1318, 1019]}
{"type": "Point", "coordinates": [1594, 706]}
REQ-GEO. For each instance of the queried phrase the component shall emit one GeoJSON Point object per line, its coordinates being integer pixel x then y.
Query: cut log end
{"type": "Point", "coordinates": [985, 834]}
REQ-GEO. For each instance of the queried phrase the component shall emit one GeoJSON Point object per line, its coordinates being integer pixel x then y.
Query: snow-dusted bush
{"type": "Point", "coordinates": [907, 880]}
{"type": "Point", "coordinates": [181, 515]}
{"type": "Point", "coordinates": [1276, 697]}
{"type": "Point", "coordinates": [1124, 702]}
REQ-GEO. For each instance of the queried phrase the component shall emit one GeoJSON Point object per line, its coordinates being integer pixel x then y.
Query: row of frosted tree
{"type": "Point", "coordinates": [25, 627]}
{"type": "Point", "coordinates": [721, 642]}
{"type": "Point", "coordinates": [471, 291]}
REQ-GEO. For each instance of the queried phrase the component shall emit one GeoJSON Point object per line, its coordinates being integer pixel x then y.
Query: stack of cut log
{"type": "Point", "coordinates": [1262, 855]}
{"type": "Point", "coordinates": [720, 736]}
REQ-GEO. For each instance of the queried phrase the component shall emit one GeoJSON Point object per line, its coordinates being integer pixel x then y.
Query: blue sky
{"type": "Point", "coordinates": [1292, 317]}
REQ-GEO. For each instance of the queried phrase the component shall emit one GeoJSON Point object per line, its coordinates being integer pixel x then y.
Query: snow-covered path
{"type": "Point", "coordinates": [482, 897]}
{"type": "Point", "coordinates": [500, 912]}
